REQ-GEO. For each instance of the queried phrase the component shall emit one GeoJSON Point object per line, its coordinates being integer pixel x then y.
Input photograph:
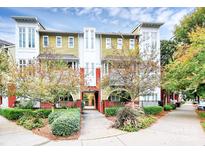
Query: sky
{"type": "Point", "coordinates": [103, 19]}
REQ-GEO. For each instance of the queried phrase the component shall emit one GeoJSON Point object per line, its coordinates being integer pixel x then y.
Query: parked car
{"type": "Point", "coordinates": [201, 105]}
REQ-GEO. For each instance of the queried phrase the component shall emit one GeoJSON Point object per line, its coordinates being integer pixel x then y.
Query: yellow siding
{"type": "Point", "coordinates": [106, 52]}
{"type": "Point", "coordinates": [62, 50]}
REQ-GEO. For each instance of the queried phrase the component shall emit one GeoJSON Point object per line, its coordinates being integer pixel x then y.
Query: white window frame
{"type": "Point", "coordinates": [119, 46]}
{"type": "Point", "coordinates": [22, 37]}
{"type": "Point", "coordinates": [106, 68]}
{"type": "Point", "coordinates": [92, 39]}
{"type": "Point", "coordinates": [108, 42]}
{"type": "Point", "coordinates": [73, 44]}
{"type": "Point", "coordinates": [89, 39]}
{"type": "Point", "coordinates": [31, 37]}
{"type": "Point", "coordinates": [59, 46]}
{"type": "Point", "coordinates": [92, 69]}
{"type": "Point", "coordinates": [47, 41]}
{"type": "Point", "coordinates": [154, 41]}
{"type": "Point", "coordinates": [132, 44]}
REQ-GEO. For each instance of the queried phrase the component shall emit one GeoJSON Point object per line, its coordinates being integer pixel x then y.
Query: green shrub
{"type": "Point", "coordinates": [26, 104]}
{"type": "Point", "coordinates": [126, 119]}
{"type": "Point", "coordinates": [167, 107]}
{"type": "Point", "coordinates": [111, 111]}
{"type": "Point", "coordinates": [153, 110]}
{"type": "Point", "coordinates": [54, 115]}
{"type": "Point", "coordinates": [66, 124]}
{"type": "Point", "coordinates": [173, 106]}
{"type": "Point", "coordinates": [42, 113]}
{"type": "Point", "coordinates": [57, 113]}
{"type": "Point", "coordinates": [145, 121]}
{"type": "Point", "coordinates": [201, 114]}
{"type": "Point", "coordinates": [30, 122]}
{"type": "Point", "coordinates": [13, 113]}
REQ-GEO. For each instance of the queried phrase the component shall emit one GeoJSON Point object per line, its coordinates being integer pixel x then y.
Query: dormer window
{"type": "Point", "coordinates": [58, 41]}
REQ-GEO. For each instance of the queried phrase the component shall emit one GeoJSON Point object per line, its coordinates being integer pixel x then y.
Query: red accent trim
{"type": "Point", "coordinates": [11, 101]}
{"type": "Point", "coordinates": [46, 105]}
{"type": "Point", "coordinates": [1, 100]}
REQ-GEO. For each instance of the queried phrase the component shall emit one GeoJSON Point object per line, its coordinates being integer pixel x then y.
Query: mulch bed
{"type": "Point", "coordinates": [46, 132]}
{"type": "Point", "coordinates": [163, 113]}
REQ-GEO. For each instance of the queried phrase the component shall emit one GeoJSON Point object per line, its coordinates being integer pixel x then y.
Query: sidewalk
{"type": "Point", "coordinates": [180, 128]}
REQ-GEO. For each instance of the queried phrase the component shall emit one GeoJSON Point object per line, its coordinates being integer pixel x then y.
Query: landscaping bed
{"type": "Point", "coordinates": [62, 124]}
{"type": "Point", "coordinates": [128, 119]}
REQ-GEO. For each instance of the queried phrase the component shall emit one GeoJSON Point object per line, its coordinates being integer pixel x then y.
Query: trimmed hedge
{"type": "Point", "coordinates": [112, 111]}
{"type": "Point", "coordinates": [167, 107]}
{"type": "Point", "coordinates": [30, 122]}
{"type": "Point", "coordinates": [53, 116]}
{"type": "Point", "coordinates": [42, 113]}
{"type": "Point", "coordinates": [153, 110]}
{"type": "Point", "coordinates": [14, 114]}
{"type": "Point", "coordinates": [67, 123]}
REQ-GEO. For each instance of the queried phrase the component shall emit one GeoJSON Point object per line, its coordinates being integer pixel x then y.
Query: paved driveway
{"type": "Point", "coordinates": [179, 127]}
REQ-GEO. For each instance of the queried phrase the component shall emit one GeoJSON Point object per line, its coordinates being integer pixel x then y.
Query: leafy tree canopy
{"type": "Point", "coordinates": [189, 23]}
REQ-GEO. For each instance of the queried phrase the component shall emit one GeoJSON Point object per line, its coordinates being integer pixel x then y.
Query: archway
{"type": "Point", "coordinates": [119, 96]}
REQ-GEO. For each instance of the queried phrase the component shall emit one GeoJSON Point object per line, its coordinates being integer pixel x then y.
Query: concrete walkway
{"type": "Point", "coordinates": [179, 127]}
{"type": "Point", "coordinates": [12, 134]}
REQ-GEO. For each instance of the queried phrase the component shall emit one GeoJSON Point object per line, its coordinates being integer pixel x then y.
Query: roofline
{"type": "Point", "coordinates": [99, 33]}
{"type": "Point", "coordinates": [148, 24]}
{"type": "Point", "coordinates": [28, 18]}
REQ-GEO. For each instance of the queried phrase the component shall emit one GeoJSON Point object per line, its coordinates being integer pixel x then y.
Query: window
{"type": "Point", "coordinates": [119, 43]}
{"type": "Point", "coordinates": [22, 63]}
{"type": "Point", "coordinates": [93, 69]}
{"type": "Point", "coordinates": [108, 43]}
{"type": "Point", "coordinates": [154, 41]}
{"type": "Point", "coordinates": [132, 43]}
{"type": "Point", "coordinates": [71, 42]}
{"type": "Point", "coordinates": [87, 69]}
{"type": "Point", "coordinates": [89, 38]}
{"type": "Point", "coordinates": [106, 68]}
{"type": "Point", "coordinates": [58, 41]}
{"type": "Point", "coordinates": [86, 39]}
{"type": "Point", "coordinates": [45, 41]}
{"type": "Point", "coordinates": [22, 37]}
{"type": "Point", "coordinates": [31, 38]}
{"type": "Point", "coordinates": [146, 44]}
{"type": "Point", "coordinates": [92, 39]}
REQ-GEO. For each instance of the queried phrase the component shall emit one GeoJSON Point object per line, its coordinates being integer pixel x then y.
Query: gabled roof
{"type": "Point", "coordinates": [28, 19]}
{"type": "Point", "coordinates": [5, 43]}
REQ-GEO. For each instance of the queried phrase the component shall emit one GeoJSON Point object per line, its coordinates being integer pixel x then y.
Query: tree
{"type": "Point", "coordinates": [167, 48]}
{"type": "Point", "coordinates": [188, 24]}
{"type": "Point", "coordinates": [136, 72]}
{"type": "Point", "coordinates": [45, 80]}
{"type": "Point", "coordinates": [187, 71]}
{"type": "Point", "coordinates": [4, 69]}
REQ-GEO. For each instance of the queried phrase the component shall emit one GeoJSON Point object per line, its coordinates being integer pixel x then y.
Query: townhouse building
{"type": "Point", "coordinates": [88, 51]}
